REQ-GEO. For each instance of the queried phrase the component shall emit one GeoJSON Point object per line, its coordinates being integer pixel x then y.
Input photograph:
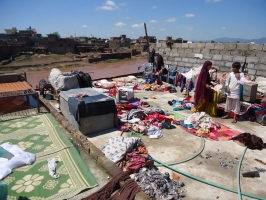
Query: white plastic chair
{"type": "Point", "coordinates": [146, 69]}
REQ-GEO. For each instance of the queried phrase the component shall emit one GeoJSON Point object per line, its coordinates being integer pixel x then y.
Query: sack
{"type": "Point", "coordinates": [83, 78]}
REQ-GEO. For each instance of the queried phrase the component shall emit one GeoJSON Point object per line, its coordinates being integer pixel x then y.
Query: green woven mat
{"type": "Point", "coordinates": [42, 136]}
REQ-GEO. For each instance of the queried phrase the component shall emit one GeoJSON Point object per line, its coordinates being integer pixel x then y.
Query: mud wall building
{"type": "Point", "coordinates": [222, 55]}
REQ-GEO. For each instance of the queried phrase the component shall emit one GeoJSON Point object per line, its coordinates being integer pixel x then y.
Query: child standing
{"type": "Point", "coordinates": [233, 81]}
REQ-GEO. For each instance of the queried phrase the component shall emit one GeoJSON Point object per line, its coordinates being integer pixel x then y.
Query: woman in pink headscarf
{"type": "Point", "coordinates": [203, 88]}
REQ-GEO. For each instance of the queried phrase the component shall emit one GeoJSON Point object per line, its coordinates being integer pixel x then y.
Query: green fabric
{"type": "Point", "coordinates": [5, 154]}
{"type": "Point", "coordinates": [42, 136]}
{"type": "Point", "coordinates": [3, 191]}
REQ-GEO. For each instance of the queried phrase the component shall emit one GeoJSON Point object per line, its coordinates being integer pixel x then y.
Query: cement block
{"type": "Point", "coordinates": [261, 73]}
{"type": "Point", "coordinates": [257, 47]}
{"type": "Point", "coordinates": [205, 51]}
{"type": "Point", "coordinates": [236, 53]}
{"type": "Point", "coordinates": [262, 60]}
{"type": "Point", "coordinates": [196, 50]}
{"type": "Point", "coordinates": [219, 46]}
{"type": "Point", "coordinates": [170, 58]}
{"type": "Point", "coordinates": [252, 60]}
{"type": "Point", "coordinates": [192, 45]}
{"type": "Point", "coordinates": [178, 59]}
{"type": "Point", "coordinates": [174, 63]}
{"type": "Point", "coordinates": [251, 65]}
{"type": "Point", "coordinates": [228, 64]}
{"type": "Point", "coordinates": [167, 53]}
{"type": "Point", "coordinates": [217, 57]}
{"type": "Point", "coordinates": [260, 67]}
{"type": "Point", "coordinates": [193, 60]}
{"type": "Point", "coordinates": [174, 50]}
{"type": "Point", "coordinates": [230, 46]}
{"type": "Point", "coordinates": [201, 45]}
{"type": "Point", "coordinates": [181, 50]}
{"type": "Point", "coordinates": [225, 52]}
{"type": "Point", "coordinates": [196, 65]}
{"type": "Point", "coordinates": [243, 46]}
{"type": "Point", "coordinates": [240, 59]}
{"type": "Point", "coordinates": [252, 72]}
{"type": "Point", "coordinates": [164, 45]}
{"type": "Point", "coordinates": [188, 50]}
{"type": "Point", "coordinates": [181, 64]}
{"type": "Point", "coordinates": [249, 53]}
{"type": "Point", "coordinates": [260, 54]}
{"type": "Point", "coordinates": [214, 51]}
{"type": "Point", "coordinates": [209, 46]}
{"type": "Point", "coordinates": [177, 45]}
{"type": "Point", "coordinates": [167, 49]}
{"type": "Point", "coordinates": [175, 54]}
{"type": "Point", "coordinates": [185, 60]}
{"type": "Point", "coordinates": [183, 55]}
{"type": "Point", "coordinates": [225, 69]}
{"type": "Point", "coordinates": [161, 50]}
{"type": "Point", "coordinates": [185, 45]}
{"type": "Point", "coordinates": [190, 55]}
{"type": "Point", "coordinates": [207, 56]}
{"type": "Point", "coordinates": [200, 62]}
{"type": "Point", "coordinates": [218, 63]}
{"type": "Point", "coordinates": [158, 45]}
{"type": "Point", "coordinates": [189, 65]}
{"type": "Point", "coordinates": [227, 58]}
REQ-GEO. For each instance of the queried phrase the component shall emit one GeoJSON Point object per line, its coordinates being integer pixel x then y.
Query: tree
{"type": "Point", "coordinates": [179, 39]}
{"type": "Point", "coordinates": [56, 33]}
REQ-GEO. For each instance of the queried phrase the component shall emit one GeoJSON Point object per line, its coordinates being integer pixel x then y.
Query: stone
{"type": "Point", "coordinates": [217, 57]}
{"type": "Point", "coordinates": [227, 58]}
{"type": "Point", "coordinates": [240, 59]}
{"type": "Point", "coordinates": [192, 45]}
{"type": "Point", "coordinates": [201, 45]}
{"type": "Point", "coordinates": [243, 46]}
{"type": "Point", "coordinates": [209, 46]}
{"type": "Point", "coordinates": [260, 67]}
{"type": "Point", "coordinates": [219, 46]}
{"type": "Point", "coordinates": [257, 47]}
{"type": "Point", "coordinates": [230, 46]}
{"type": "Point", "coordinates": [185, 45]}
{"type": "Point", "coordinates": [262, 60]}
{"type": "Point", "coordinates": [252, 60]}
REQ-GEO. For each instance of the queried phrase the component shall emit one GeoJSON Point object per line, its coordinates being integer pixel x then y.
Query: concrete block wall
{"type": "Point", "coordinates": [222, 55]}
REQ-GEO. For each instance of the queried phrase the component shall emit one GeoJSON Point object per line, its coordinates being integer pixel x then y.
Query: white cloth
{"type": "Point", "coordinates": [233, 84]}
{"type": "Point", "coordinates": [20, 158]}
{"type": "Point", "coordinates": [232, 104]}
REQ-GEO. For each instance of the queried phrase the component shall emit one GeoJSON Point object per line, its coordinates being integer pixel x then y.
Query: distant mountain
{"type": "Point", "coordinates": [226, 39]}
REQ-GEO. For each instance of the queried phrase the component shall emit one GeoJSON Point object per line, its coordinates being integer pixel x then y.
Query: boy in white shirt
{"type": "Point", "coordinates": [233, 81]}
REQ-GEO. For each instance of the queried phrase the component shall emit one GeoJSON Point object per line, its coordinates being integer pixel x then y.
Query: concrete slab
{"type": "Point", "coordinates": [177, 145]}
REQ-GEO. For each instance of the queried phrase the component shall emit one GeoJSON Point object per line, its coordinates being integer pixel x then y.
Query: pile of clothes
{"type": "Point", "coordinates": [157, 185]}
{"type": "Point", "coordinates": [200, 121]}
{"type": "Point", "coordinates": [129, 153]}
{"type": "Point", "coordinates": [140, 117]}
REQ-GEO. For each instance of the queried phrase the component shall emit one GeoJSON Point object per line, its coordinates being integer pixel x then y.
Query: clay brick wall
{"type": "Point", "coordinates": [222, 55]}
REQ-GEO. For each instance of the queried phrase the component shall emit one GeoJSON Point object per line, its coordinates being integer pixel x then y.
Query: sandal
{"type": "Point", "coordinates": [225, 117]}
{"type": "Point", "coordinates": [234, 121]}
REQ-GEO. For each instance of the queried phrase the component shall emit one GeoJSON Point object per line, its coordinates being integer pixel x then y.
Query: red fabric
{"type": "Point", "coordinates": [157, 117]}
{"type": "Point", "coordinates": [203, 79]}
{"type": "Point", "coordinates": [222, 134]}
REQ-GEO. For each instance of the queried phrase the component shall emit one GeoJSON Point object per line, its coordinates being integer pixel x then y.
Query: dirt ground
{"type": "Point", "coordinates": [38, 67]}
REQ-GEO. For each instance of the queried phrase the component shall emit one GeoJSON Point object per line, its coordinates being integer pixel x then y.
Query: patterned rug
{"type": "Point", "coordinates": [42, 136]}
{"type": "Point", "coordinates": [223, 134]}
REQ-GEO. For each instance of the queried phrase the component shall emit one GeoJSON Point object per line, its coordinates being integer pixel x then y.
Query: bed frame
{"type": "Point", "coordinates": [15, 84]}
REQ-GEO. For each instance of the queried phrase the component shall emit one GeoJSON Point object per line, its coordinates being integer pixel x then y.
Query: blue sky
{"type": "Point", "coordinates": [189, 19]}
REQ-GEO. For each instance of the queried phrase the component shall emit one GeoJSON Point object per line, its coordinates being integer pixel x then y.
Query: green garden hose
{"type": "Point", "coordinates": [190, 158]}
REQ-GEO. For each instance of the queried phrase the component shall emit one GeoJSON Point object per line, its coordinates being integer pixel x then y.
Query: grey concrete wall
{"type": "Point", "coordinates": [222, 55]}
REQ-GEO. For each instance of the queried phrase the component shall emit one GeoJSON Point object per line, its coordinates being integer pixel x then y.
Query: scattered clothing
{"type": "Point", "coordinates": [52, 167]}
{"type": "Point", "coordinates": [20, 158]}
{"type": "Point", "coordinates": [251, 141]}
